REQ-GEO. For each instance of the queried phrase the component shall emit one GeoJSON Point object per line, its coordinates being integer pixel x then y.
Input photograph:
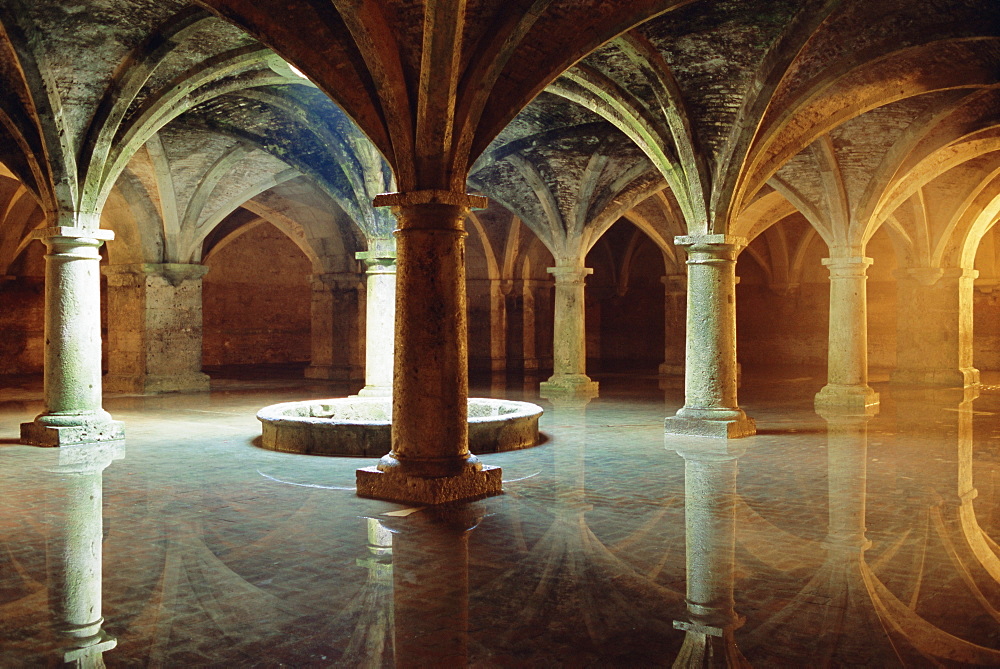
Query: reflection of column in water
{"type": "Point", "coordinates": [847, 476]}
{"type": "Point", "coordinates": [710, 522]}
{"type": "Point", "coordinates": [569, 585]}
{"type": "Point", "coordinates": [74, 555]}
{"type": "Point", "coordinates": [370, 644]}
{"type": "Point", "coordinates": [833, 621]}
{"type": "Point", "coordinates": [430, 573]}
{"type": "Point", "coordinates": [945, 530]}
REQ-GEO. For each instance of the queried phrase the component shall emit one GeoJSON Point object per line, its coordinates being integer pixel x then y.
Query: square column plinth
{"type": "Point", "coordinates": [708, 426]}
{"type": "Point", "coordinates": [83, 430]}
{"type": "Point", "coordinates": [399, 487]}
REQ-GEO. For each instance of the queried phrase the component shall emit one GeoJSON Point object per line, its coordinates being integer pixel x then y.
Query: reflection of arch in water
{"type": "Point", "coordinates": [570, 580]}
{"type": "Point", "coordinates": [846, 613]}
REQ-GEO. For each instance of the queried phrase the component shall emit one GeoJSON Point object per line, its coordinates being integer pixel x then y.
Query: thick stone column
{"type": "Point", "coordinates": [430, 462]}
{"type": "Point", "coordinates": [73, 413]}
{"type": "Point", "coordinates": [335, 327]}
{"type": "Point", "coordinates": [710, 536]}
{"type": "Point", "coordinates": [934, 327]}
{"type": "Point", "coordinates": [674, 310]}
{"type": "Point", "coordinates": [569, 343]}
{"type": "Point", "coordinates": [154, 328]}
{"type": "Point", "coordinates": [847, 350]}
{"type": "Point", "coordinates": [710, 372]}
{"type": "Point", "coordinates": [380, 310]}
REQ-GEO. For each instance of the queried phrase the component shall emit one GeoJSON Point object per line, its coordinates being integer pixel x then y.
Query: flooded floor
{"type": "Point", "coordinates": [822, 541]}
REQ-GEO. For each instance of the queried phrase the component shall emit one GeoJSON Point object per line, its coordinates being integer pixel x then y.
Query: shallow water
{"type": "Point", "coordinates": [821, 542]}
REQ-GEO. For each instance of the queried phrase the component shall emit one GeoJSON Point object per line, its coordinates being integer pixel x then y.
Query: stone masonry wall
{"type": "Point", "coordinates": [256, 301]}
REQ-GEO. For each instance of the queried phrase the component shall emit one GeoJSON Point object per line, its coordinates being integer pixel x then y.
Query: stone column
{"type": "Point", "coordinates": [335, 327]}
{"type": "Point", "coordinates": [154, 328]}
{"type": "Point", "coordinates": [73, 413]}
{"type": "Point", "coordinates": [710, 537]}
{"type": "Point", "coordinates": [710, 372]}
{"type": "Point", "coordinates": [674, 296]}
{"type": "Point", "coordinates": [847, 350]}
{"type": "Point", "coordinates": [528, 322]}
{"type": "Point", "coordinates": [569, 343]}
{"type": "Point", "coordinates": [498, 324]}
{"type": "Point", "coordinates": [380, 316]}
{"type": "Point", "coordinates": [74, 560]}
{"type": "Point", "coordinates": [934, 327]}
{"type": "Point", "coordinates": [430, 462]}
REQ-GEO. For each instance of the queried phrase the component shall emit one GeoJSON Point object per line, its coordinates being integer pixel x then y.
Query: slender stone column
{"type": "Point", "coordinates": [710, 373]}
{"type": "Point", "coordinates": [569, 343]}
{"type": "Point", "coordinates": [498, 324]}
{"type": "Point", "coordinates": [380, 319]}
{"type": "Point", "coordinates": [710, 535]}
{"type": "Point", "coordinates": [73, 412]}
{"type": "Point", "coordinates": [154, 328]}
{"type": "Point", "coordinates": [528, 322]}
{"type": "Point", "coordinates": [335, 327]}
{"type": "Point", "coordinates": [847, 350]}
{"type": "Point", "coordinates": [934, 327]}
{"type": "Point", "coordinates": [430, 462]}
{"type": "Point", "coordinates": [674, 294]}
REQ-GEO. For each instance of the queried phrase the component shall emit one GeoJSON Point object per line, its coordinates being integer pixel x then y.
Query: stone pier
{"type": "Point", "coordinates": [335, 327]}
{"type": "Point", "coordinates": [154, 328]}
{"type": "Point", "coordinates": [934, 327]}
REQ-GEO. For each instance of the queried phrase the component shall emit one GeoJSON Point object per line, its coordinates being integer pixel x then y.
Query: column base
{"type": "Point", "coordinates": [948, 378]}
{"type": "Point", "coordinates": [394, 486]}
{"type": "Point", "coordinates": [707, 646]}
{"type": "Point", "coordinates": [568, 386]}
{"type": "Point", "coordinates": [374, 391]}
{"type": "Point", "coordinates": [193, 382]}
{"type": "Point", "coordinates": [843, 397]}
{"type": "Point", "coordinates": [717, 423]}
{"type": "Point", "coordinates": [84, 430]}
{"type": "Point", "coordinates": [90, 655]}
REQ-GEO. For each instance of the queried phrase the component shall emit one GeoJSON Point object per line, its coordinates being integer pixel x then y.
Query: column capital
{"type": "Point", "coordinates": [844, 266]}
{"type": "Point", "coordinates": [715, 243]}
{"type": "Point", "coordinates": [94, 236]}
{"type": "Point", "coordinates": [431, 196]}
{"type": "Point", "coordinates": [378, 262]}
{"type": "Point", "coordinates": [381, 251]}
{"type": "Point", "coordinates": [928, 276]}
{"type": "Point", "coordinates": [569, 273]}
{"type": "Point", "coordinates": [174, 273]}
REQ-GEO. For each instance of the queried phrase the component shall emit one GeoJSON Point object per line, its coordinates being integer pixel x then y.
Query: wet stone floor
{"type": "Point", "coordinates": [823, 541]}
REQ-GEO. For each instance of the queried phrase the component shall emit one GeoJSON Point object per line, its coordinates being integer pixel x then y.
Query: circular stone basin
{"type": "Point", "coordinates": [360, 426]}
